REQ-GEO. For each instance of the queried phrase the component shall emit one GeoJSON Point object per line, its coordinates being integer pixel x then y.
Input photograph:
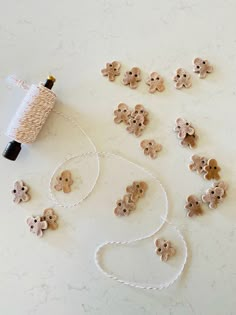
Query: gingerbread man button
{"type": "Point", "coordinates": [36, 225]}
{"type": "Point", "coordinates": [137, 190]}
{"type": "Point", "coordinates": [155, 82]}
{"type": "Point", "coordinates": [212, 170]}
{"type": "Point", "coordinates": [198, 164]}
{"type": "Point", "coordinates": [132, 77]}
{"type": "Point", "coordinates": [64, 182]}
{"type": "Point", "coordinates": [140, 110]}
{"type": "Point", "coordinates": [193, 206]}
{"type": "Point", "coordinates": [183, 128]}
{"type": "Point", "coordinates": [112, 70]}
{"type": "Point", "coordinates": [136, 125]}
{"type": "Point", "coordinates": [124, 206]}
{"type": "Point", "coordinates": [164, 249]}
{"type": "Point", "coordinates": [213, 197]}
{"type": "Point", "coordinates": [189, 141]}
{"type": "Point", "coordinates": [50, 217]}
{"type": "Point", "coordinates": [151, 148]}
{"type": "Point", "coordinates": [20, 192]}
{"type": "Point", "coordinates": [202, 67]}
{"type": "Point", "coordinates": [182, 79]}
{"type": "Point", "coordinates": [122, 114]}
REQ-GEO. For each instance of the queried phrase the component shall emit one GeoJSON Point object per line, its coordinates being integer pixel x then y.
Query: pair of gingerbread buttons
{"type": "Point", "coordinates": [186, 133]}
{"type": "Point", "coordinates": [21, 189]}
{"type": "Point", "coordinates": [129, 202]}
{"type": "Point", "coordinates": [39, 224]}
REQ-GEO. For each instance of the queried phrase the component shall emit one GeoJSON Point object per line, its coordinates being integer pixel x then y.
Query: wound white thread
{"type": "Point", "coordinates": [31, 114]}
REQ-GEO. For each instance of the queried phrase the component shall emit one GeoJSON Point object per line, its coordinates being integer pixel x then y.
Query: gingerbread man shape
{"type": "Point", "coordinates": [155, 82]}
{"type": "Point", "coordinates": [140, 110]}
{"type": "Point", "coordinates": [193, 206]}
{"type": "Point", "coordinates": [64, 182]}
{"type": "Point", "coordinates": [222, 185]}
{"type": "Point", "coordinates": [198, 164]}
{"type": "Point", "coordinates": [164, 249]}
{"type": "Point", "coordinates": [20, 192]}
{"type": "Point", "coordinates": [136, 125]}
{"type": "Point", "coordinates": [122, 114]}
{"type": "Point", "coordinates": [202, 67]}
{"type": "Point", "coordinates": [132, 77]}
{"type": "Point", "coordinates": [182, 79]}
{"type": "Point", "coordinates": [213, 197]}
{"type": "Point", "coordinates": [151, 148]}
{"type": "Point", "coordinates": [136, 190]}
{"type": "Point", "coordinates": [36, 225]}
{"type": "Point", "coordinates": [212, 170]}
{"type": "Point", "coordinates": [183, 128]}
{"type": "Point", "coordinates": [112, 70]}
{"type": "Point", "coordinates": [124, 206]}
{"type": "Point", "coordinates": [50, 217]}
{"type": "Point", "coordinates": [189, 141]}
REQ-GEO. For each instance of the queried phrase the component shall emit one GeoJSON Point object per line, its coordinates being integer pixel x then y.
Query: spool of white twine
{"type": "Point", "coordinates": [31, 114]}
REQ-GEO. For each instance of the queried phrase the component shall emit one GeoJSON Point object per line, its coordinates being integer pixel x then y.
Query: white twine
{"type": "Point", "coordinates": [136, 285]}
{"type": "Point", "coordinates": [100, 248]}
{"type": "Point", "coordinates": [51, 184]}
{"type": "Point", "coordinates": [31, 114]}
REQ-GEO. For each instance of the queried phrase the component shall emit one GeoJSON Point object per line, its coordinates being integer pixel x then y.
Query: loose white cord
{"type": "Point", "coordinates": [13, 80]}
{"type": "Point", "coordinates": [161, 286]}
{"type": "Point", "coordinates": [101, 247]}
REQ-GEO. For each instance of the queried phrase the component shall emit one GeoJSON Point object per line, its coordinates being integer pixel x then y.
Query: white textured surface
{"type": "Point", "coordinates": [73, 40]}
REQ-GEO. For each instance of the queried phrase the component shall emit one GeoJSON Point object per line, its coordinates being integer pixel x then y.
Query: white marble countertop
{"type": "Point", "coordinates": [73, 40]}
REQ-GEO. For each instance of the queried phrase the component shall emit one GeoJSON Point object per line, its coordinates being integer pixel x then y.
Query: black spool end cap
{"type": "Point", "coordinates": [12, 150]}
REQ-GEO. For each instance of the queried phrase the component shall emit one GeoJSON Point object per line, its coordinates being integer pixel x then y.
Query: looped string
{"type": "Point", "coordinates": [102, 246]}
{"type": "Point", "coordinates": [12, 80]}
{"type": "Point", "coordinates": [160, 286]}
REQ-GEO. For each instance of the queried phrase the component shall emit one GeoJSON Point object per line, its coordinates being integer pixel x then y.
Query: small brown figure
{"type": "Point", "coordinates": [136, 190]}
{"type": "Point", "coordinates": [151, 148]}
{"type": "Point", "coordinates": [202, 67]}
{"type": "Point", "coordinates": [198, 164]}
{"type": "Point", "coordinates": [164, 249]}
{"type": "Point", "coordinates": [156, 83]}
{"type": "Point", "coordinates": [140, 110]}
{"type": "Point", "coordinates": [36, 225]}
{"type": "Point", "coordinates": [64, 182]}
{"type": "Point", "coordinates": [50, 217]}
{"type": "Point", "coordinates": [112, 70]}
{"type": "Point", "coordinates": [222, 185]}
{"type": "Point", "coordinates": [132, 77]}
{"type": "Point", "coordinates": [20, 192]}
{"type": "Point", "coordinates": [122, 114]}
{"type": "Point", "coordinates": [183, 128]}
{"type": "Point", "coordinates": [193, 206]}
{"type": "Point", "coordinates": [212, 170]}
{"type": "Point", "coordinates": [182, 79]}
{"type": "Point", "coordinates": [213, 197]}
{"type": "Point", "coordinates": [136, 125]}
{"type": "Point", "coordinates": [124, 206]}
{"type": "Point", "coordinates": [189, 141]}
